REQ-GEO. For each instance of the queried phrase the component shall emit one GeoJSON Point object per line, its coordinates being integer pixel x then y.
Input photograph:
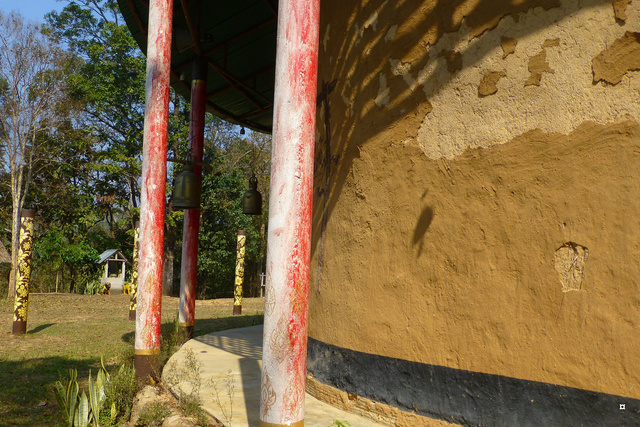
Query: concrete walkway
{"type": "Point", "coordinates": [229, 364]}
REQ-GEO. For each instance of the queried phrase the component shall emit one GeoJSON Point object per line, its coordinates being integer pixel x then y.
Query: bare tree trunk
{"type": "Point", "coordinates": [30, 68]}
{"type": "Point", "coordinates": [12, 282]}
{"type": "Point", "coordinates": [132, 194]}
{"type": "Point", "coordinates": [15, 239]}
{"type": "Point", "coordinates": [72, 280]}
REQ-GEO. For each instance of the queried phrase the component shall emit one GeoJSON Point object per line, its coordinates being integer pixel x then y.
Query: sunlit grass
{"type": "Point", "coordinates": [67, 331]}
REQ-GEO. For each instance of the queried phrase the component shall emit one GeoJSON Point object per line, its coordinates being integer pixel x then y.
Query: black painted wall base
{"type": "Point", "coordinates": [465, 397]}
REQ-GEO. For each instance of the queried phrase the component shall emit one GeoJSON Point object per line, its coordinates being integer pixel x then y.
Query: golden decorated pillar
{"type": "Point", "coordinates": [23, 272]}
{"type": "Point", "coordinates": [237, 291]}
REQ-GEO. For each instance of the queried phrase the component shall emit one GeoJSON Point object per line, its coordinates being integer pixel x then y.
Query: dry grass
{"type": "Point", "coordinates": [73, 331]}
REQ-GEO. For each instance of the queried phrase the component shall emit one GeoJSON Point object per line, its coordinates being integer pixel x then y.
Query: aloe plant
{"type": "Point", "coordinates": [79, 411]}
{"type": "Point", "coordinates": [82, 416]}
{"type": "Point", "coordinates": [68, 397]}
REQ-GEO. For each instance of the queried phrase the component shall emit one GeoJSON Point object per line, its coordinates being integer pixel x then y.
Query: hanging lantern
{"type": "Point", "coordinates": [252, 203]}
{"type": "Point", "coordinates": [186, 190]}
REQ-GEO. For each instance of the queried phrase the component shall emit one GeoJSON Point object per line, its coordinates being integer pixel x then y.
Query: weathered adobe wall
{"type": "Point", "coordinates": [477, 187]}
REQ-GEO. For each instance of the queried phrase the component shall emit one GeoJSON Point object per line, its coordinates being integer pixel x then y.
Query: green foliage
{"type": "Point", "coordinates": [78, 410]}
{"type": "Point", "coordinates": [68, 397]}
{"type": "Point", "coordinates": [82, 416]}
{"type": "Point", "coordinates": [234, 159]}
{"type": "Point", "coordinates": [186, 381]}
{"type": "Point", "coordinates": [153, 414]}
{"type": "Point", "coordinates": [92, 288]}
{"type": "Point", "coordinates": [110, 86]}
{"type": "Point", "coordinates": [96, 392]}
{"type": "Point", "coordinates": [73, 256]}
{"type": "Point", "coordinates": [32, 65]}
{"type": "Point", "coordinates": [87, 200]}
{"type": "Point", "coordinates": [171, 340]}
{"type": "Point", "coordinates": [119, 394]}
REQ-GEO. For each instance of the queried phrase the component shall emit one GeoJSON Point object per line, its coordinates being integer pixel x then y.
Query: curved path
{"type": "Point", "coordinates": [230, 363]}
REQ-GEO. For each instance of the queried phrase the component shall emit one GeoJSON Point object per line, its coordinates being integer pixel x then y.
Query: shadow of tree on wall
{"type": "Point", "coordinates": [351, 74]}
{"type": "Point", "coordinates": [424, 221]}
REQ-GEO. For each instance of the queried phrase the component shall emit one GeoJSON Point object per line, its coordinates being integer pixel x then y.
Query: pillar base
{"type": "Point", "coordinates": [147, 365]}
{"type": "Point", "coordinates": [19, 327]}
{"type": "Point", "coordinates": [296, 424]}
{"type": "Point", "coordinates": [237, 309]}
{"type": "Point", "coordinates": [185, 332]}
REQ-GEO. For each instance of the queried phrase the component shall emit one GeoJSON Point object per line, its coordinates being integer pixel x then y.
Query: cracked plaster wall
{"type": "Point", "coordinates": [461, 148]}
{"type": "Point", "coordinates": [556, 95]}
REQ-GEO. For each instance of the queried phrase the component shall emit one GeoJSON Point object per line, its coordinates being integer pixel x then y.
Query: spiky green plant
{"type": "Point", "coordinates": [80, 410]}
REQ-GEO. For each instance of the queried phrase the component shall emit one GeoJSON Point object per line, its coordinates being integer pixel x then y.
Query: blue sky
{"type": "Point", "coordinates": [33, 10]}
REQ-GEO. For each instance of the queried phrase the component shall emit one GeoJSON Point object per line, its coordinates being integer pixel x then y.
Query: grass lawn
{"type": "Point", "coordinates": [66, 331]}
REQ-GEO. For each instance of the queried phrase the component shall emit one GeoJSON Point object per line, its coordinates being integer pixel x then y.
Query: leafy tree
{"type": "Point", "coordinates": [111, 85]}
{"type": "Point", "coordinates": [109, 88]}
{"type": "Point", "coordinates": [32, 68]}
{"type": "Point", "coordinates": [70, 234]}
{"type": "Point", "coordinates": [233, 160]}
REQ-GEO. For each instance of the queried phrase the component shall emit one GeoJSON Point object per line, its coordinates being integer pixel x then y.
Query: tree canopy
{"type": "Point", "coordinates": [33, 71]}
{"type": "Point", "coordinates": [85, 174]}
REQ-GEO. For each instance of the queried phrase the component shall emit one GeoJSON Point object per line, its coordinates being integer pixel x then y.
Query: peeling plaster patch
{"type": "Point", "coordinates": [485, 19]}
{"type": "Point", "coordinates": [399, 68]}
{"type": "Point", "coordinates": [537, 65]}
{"type": "Point", "coordinates": [383, 93]}
{"type": "Point", "coordinates": [570, 259]}
{"type": "Point", "coordinates": [358, 34]}
{"type": "Point", "coordinates": [454, 60]}
{"type": "Point", "coordinates": [621, 57]}
{"type": "Point", "coordinates": [508, 46]}
{"type": "Point", "coordinates": [489, 83]}
{"type": "Point", "coordinates": [458, 119]}
{"type": "Point", "coordinates": [620, 9]}
{"type": "Point", "coordinates": [349, 103]}
{"type": "Point", "coordinates": [325, 39]}
{"type": "Point", "coordinates": [370, 22]}
{"type": "Point", "coordinates": [391, 33]}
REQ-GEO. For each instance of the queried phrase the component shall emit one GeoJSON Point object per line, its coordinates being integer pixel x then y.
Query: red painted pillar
{"type": "Point", "coordinates": [284, 353]}
{"type": "Point", "coordinates": [153, 199]}
{"type": "Point", "coordinates": [189, 265]}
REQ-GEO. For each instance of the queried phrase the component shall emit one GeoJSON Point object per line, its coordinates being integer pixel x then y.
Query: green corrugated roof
{"type": "Point", "coordinates": [238, 39]}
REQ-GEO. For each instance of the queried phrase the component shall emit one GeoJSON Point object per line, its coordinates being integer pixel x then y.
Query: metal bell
{"type": "Point", "coordinates": [186, 190]}
{"type": "Point", "coordinates": [252, 203]}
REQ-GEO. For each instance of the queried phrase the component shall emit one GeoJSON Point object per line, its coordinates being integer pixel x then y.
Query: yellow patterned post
{"type": "Point", "coordinates": [133, 288]}
{"type": "Point", "coordinates": [237, 291]}
{"type": "Point", "coordinates": [23, 272]}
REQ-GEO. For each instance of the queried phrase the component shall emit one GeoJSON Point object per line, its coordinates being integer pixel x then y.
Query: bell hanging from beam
{"type": "Point", "coordinates": [252, 203]}
{"type": "Point", "coordinates": [186, 190]}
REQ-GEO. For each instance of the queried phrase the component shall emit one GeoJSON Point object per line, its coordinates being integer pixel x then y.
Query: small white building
{"type": "Point", "coordinates": [114, 268]}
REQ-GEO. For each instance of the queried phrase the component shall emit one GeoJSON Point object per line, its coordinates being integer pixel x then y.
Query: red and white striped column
{"type": "Point", "coordinates": [189, 265]}
{"type": "Point", "coordinates": [284, 354]}
{"type": "Point", "coordinates": [153, 198]}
